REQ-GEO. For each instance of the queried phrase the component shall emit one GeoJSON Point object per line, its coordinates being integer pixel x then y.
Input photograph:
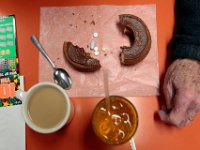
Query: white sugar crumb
{"type": "Point", "coordinates": [104, 49]}
{"type": "Point", "coordinates": [96, 52]}
{"type": "Point", "coordinates": [95, 34]}
{"type": "Point", "coordinates": [96, 48]}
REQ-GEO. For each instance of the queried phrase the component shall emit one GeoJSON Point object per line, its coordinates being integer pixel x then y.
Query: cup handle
{"type": "Point", "coordinates": [21, 94]}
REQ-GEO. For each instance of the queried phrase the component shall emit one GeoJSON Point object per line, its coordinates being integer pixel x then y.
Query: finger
{"type": "Point", "coordinates": [168, 88]}
{"type": "Point", "coordinates": [192, 111]}
{"type": "Point", "coordinates": [177, 114]}
{"type": "Point", "coordinates": [168, 91]}
{"type": "Point", "coordinates": [181, 104]}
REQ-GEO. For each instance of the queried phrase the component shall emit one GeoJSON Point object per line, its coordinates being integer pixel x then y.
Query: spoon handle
{"type": "Point", "coordinates": [41, 49]}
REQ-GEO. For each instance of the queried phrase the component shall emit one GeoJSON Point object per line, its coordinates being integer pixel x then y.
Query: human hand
{"type": "Point", "coordinates": [182, 92]}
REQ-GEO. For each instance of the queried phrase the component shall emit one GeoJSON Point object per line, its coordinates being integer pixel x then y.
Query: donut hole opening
{"type": "Point", "coordinates": [127, 35]}
{"type": "Point", "coordinates": [128, 32]}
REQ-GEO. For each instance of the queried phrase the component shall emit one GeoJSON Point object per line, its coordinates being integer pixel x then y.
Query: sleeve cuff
{"type": "Point", "coordinates": [186, 51]}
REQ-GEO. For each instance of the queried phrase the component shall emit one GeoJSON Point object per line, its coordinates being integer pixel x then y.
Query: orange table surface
{"type": "Point", "coordinates": [152, 134]}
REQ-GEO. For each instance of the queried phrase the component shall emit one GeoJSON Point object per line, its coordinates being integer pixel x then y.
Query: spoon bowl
{"type": "Point", "coordinates": [61, 77]}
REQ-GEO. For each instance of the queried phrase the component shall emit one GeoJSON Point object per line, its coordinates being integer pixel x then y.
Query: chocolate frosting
{"type": "Point", "coordinates": [140, 39]}
{"type": "Point", "coordinates": [79, 59]}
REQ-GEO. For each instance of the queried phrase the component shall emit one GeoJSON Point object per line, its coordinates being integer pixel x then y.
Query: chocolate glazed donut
{"type": "Point", "coordinates": [140, 40]}
{"type": "Point", "coordinates": [79, 59]}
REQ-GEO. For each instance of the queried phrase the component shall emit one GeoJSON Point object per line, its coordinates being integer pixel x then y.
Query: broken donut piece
{"type": "Point", "coordinates": [140, 40]}
{"type": "Point", "coordinates": [79, 59]}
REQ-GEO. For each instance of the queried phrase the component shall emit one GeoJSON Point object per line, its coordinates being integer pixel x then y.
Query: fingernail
{"type": "Point", "coordinates": [162, 114]}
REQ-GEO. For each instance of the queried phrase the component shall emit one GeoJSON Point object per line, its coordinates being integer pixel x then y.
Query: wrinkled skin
{"type": "Point", "coordinates": [182, 92]}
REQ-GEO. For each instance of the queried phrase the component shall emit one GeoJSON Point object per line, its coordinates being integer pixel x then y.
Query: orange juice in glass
{"type": "Point", "coordinates": [119, 124]}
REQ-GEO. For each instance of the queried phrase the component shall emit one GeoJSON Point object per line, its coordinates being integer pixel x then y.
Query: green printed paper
{"type": "Point", "coordinates": [8, 62]}
{"type": "Point", "coordinates": [7, 37]}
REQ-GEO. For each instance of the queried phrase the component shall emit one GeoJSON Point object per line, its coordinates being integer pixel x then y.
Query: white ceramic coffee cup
{"type": "Point", "coordinates": [25, 97]}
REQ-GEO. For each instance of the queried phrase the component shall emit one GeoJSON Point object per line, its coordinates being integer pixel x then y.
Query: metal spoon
{"type": "Point", "coordinates": [61, 77]}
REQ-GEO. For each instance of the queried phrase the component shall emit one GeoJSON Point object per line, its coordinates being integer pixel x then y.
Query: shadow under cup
{"type": "Point", "coordinates": [118, 127]}
{"type": "Point", "coordinates": [47, 108]}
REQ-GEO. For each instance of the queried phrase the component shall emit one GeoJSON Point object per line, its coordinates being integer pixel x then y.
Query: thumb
{"type": "Point", "coordinates": [178, 112]}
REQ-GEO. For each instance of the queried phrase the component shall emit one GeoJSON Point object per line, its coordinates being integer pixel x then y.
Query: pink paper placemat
{"type": "Point", "coordinates": [78, 24]}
